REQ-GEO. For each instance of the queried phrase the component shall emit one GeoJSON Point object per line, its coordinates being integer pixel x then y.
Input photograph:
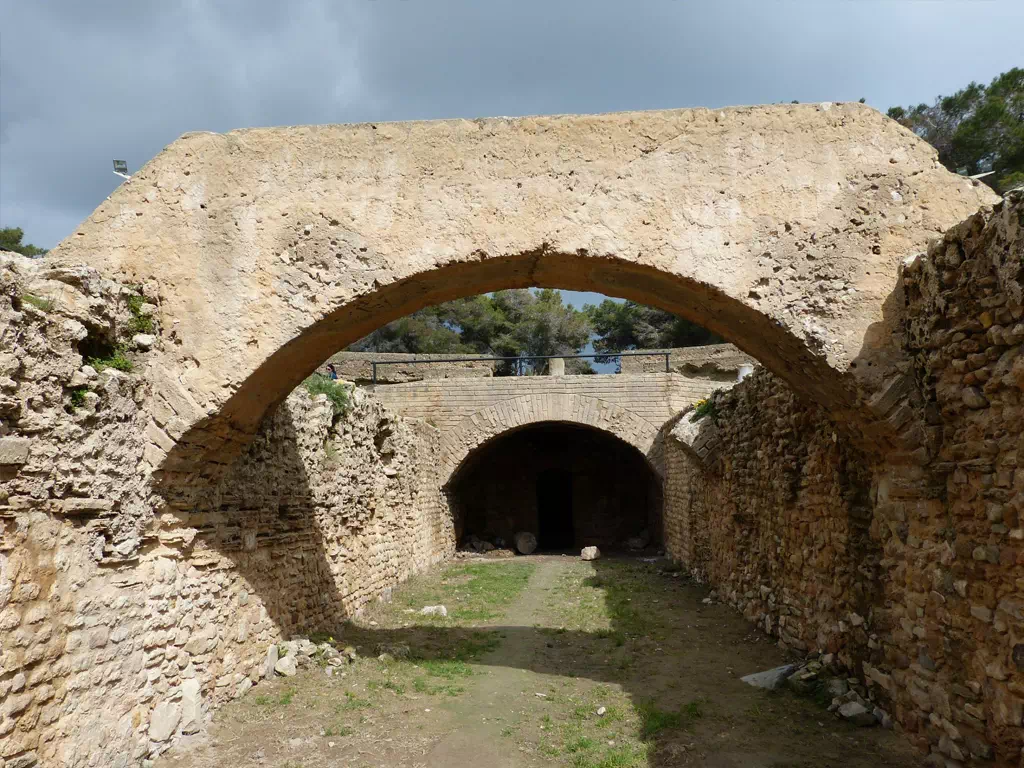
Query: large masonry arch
{"type": "Point", "coordinates": [781, 228]}
{"type": "Point", "coordinates": [503, 417]}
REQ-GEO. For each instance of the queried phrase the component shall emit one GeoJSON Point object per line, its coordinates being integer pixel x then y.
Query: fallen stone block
{"type": "Point", "coordinates": [286, 666]}
{"type": "Point", "coordinates": [590, 553]}
{"type": "Point", "coordinates": [856, 713]}
{"type": "Point", "coordinates": [770, 678]}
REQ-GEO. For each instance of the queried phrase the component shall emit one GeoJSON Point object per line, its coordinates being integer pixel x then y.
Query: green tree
{"type": "Point", "coordinates": [10, 240]}
{"type": "Point", "coordinates": [977, 129]}
{"type": "Point", "coordinates": [507, 323]}
{"type": "Point", "coordinates": [627, 325]}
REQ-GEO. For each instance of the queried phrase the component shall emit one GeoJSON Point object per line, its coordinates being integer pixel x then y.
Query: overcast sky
{"type": "Point", "coordinates": [85, 81]}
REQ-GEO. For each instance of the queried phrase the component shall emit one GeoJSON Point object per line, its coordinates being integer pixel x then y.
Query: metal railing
{"type": "Point", "coordinates": [519, 360]}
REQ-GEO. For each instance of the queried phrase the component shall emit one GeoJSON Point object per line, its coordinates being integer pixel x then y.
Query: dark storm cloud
{"type": "Point", "coordinates": [84, 81]}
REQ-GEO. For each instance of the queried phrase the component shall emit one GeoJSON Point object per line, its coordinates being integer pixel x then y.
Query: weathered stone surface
{"type": "Point", "coordinates": [469, 412]}
{"type": "Point", "coordinates": [14, 450]}
{"type": "Point", "coordinates": [590, 553]}
{"type": "Point", "coordinates": [192, 706]}
{"type": "Point", "coordinates": [287, 666]}
{"type": "Point", "coordinates": [164, 721]}
{"type": "Point", "coordinates": [270, 662]}
{"type": "Point", "coordinates": [856, 713]}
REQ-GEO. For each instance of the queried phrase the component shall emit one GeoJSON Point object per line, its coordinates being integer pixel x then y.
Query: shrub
{"type": "Point", "coordinates": [78, 396]}
{"type": "Point", "coordinates": [336, 392]}
{"type": "Point", "coordinates": [703, 408]}
{"type": "Point", "coordinates": [117, 359]}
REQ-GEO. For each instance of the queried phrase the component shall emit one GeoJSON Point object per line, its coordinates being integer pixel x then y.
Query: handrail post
{"type": "Point", "coordinates": [667, 368]}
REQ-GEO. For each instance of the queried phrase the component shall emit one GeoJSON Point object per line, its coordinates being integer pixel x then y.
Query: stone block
{"type": "Point", "coordinates": [14, 450]}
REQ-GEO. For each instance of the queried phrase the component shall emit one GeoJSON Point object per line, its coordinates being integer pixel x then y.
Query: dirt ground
{"type": "Point", "coordinates": [533, 649]}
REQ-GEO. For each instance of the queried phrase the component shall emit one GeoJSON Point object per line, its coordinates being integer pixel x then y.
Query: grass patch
{"type": "Point", "coordinates": [117, 359]}
{"type": "Point", "coordinates": [41, 303]}
{"type": "Point", "coordinates": [139, 323]}
{"type": "Point", "coordinates": [337, 393]}
{"type": "Point", "coordinates": [340, 730]}
{"type": "Point", "coordinates": [352, 702]}
{"type": "Point", "coordinates": [654, 720]}
{"type": "Point", "coordinates": [472, 593]}
{"type": "Point", "coordinates": [283, 700]}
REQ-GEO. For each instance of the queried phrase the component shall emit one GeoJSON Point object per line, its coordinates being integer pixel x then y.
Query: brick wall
{"type": "Point", "coordinates": [653, 397]}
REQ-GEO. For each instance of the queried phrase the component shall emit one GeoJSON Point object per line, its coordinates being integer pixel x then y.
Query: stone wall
{"type": "Point", "coordinates": [908, 566]}
{"type": "Point", "coordinates": [717, 362]}
{"type": "Point", "coordinates": [776, 516]}
{"type": "Point", "coordinates": [653, 397]}
{"type": "Point", "coordinates": [124, 620]}
{"type": "Point", "coordinates": [357, 367]}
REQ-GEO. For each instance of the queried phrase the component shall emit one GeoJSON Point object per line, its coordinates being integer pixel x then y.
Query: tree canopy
{"type": "Point", "coordinates": [977, 129]}
{"type": "Point", "coordinates": [526, 322]}
{"type": "Point", "coordinates": [10, 240]}
{"type": "Point", "coordinates": [508, 323]}
{"type": "Point", "coordinates": [627, 325]}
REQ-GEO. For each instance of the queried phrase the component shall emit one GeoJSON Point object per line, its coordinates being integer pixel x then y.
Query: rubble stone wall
{"type": "Point", "coordinates": [124, 620]}
{"type": "Point", "coordinates": [358, 367]}
{"type": "Point", "coordinates": [909, 566]}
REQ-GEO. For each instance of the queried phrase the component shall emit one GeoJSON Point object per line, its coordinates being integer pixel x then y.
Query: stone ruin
{"type": "Point", "coordinates": [172, 505]}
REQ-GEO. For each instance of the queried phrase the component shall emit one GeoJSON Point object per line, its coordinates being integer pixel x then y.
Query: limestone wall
{"type": "Point", "coordinates": [777, 517]}
{"type": "Point", "coordinates": [718, 362]}
{"type": "Point", "coordinates": [124, 620]}
{"type": "Point", "coordinates": [357, 367]}
{"type": "Point", "coordinates": [909, 566]}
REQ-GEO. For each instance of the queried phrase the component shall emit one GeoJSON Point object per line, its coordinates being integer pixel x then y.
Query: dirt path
{"type": "Point", "coordinates": [505, 691]}
{"type": "Point", "coordinates": [541, 661]}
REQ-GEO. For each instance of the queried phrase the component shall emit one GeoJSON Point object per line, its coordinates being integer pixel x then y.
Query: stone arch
{"type": "Point", "coordinates": [459, 443]}
{"type": "Point", "coordinates": [781, 228]}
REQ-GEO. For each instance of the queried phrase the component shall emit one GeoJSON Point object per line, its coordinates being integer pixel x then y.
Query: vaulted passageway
{"type": "Point", "coordinates": [571, 486]}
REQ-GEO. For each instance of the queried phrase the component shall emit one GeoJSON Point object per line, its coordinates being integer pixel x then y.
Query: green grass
{"type": "Point", "coordinates": [353, 702]}
{"type": "Point", "coordinates": [336, 392]}
{"type": "Point", "coordinates": [77, 396]}
{"type": "Point", "coordinates": [705, 407]}
{"type": "Point", "coordinates": [654, 720]}
{"type": "Point", "coordinates": [340, 730]}
{"type": "Point", "coordinates": [41, 303]}
{"type": "Point", "coordinates": [283, 700]}
{"type": "Point", "coordinates": [472, 593]}
{"type": "Point", "coordinates": [117, 359]}
{"type": "Point", "coordinates": [139, 323]}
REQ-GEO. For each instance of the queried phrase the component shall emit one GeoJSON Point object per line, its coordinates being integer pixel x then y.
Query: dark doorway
{"type": "Point", "coordinates": [554, 510]}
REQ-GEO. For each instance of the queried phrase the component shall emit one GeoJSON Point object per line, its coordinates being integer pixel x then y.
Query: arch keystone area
{"type": "Point", "coordinates": [508, 415]}
{"type": "Point", "coordinates": [781, 228]}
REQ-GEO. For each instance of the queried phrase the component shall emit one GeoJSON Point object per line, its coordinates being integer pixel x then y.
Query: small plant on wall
{"type": "Point", "coordinates": [704, 407]}
{"type": "Point", "coordinates": [336, 392]}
